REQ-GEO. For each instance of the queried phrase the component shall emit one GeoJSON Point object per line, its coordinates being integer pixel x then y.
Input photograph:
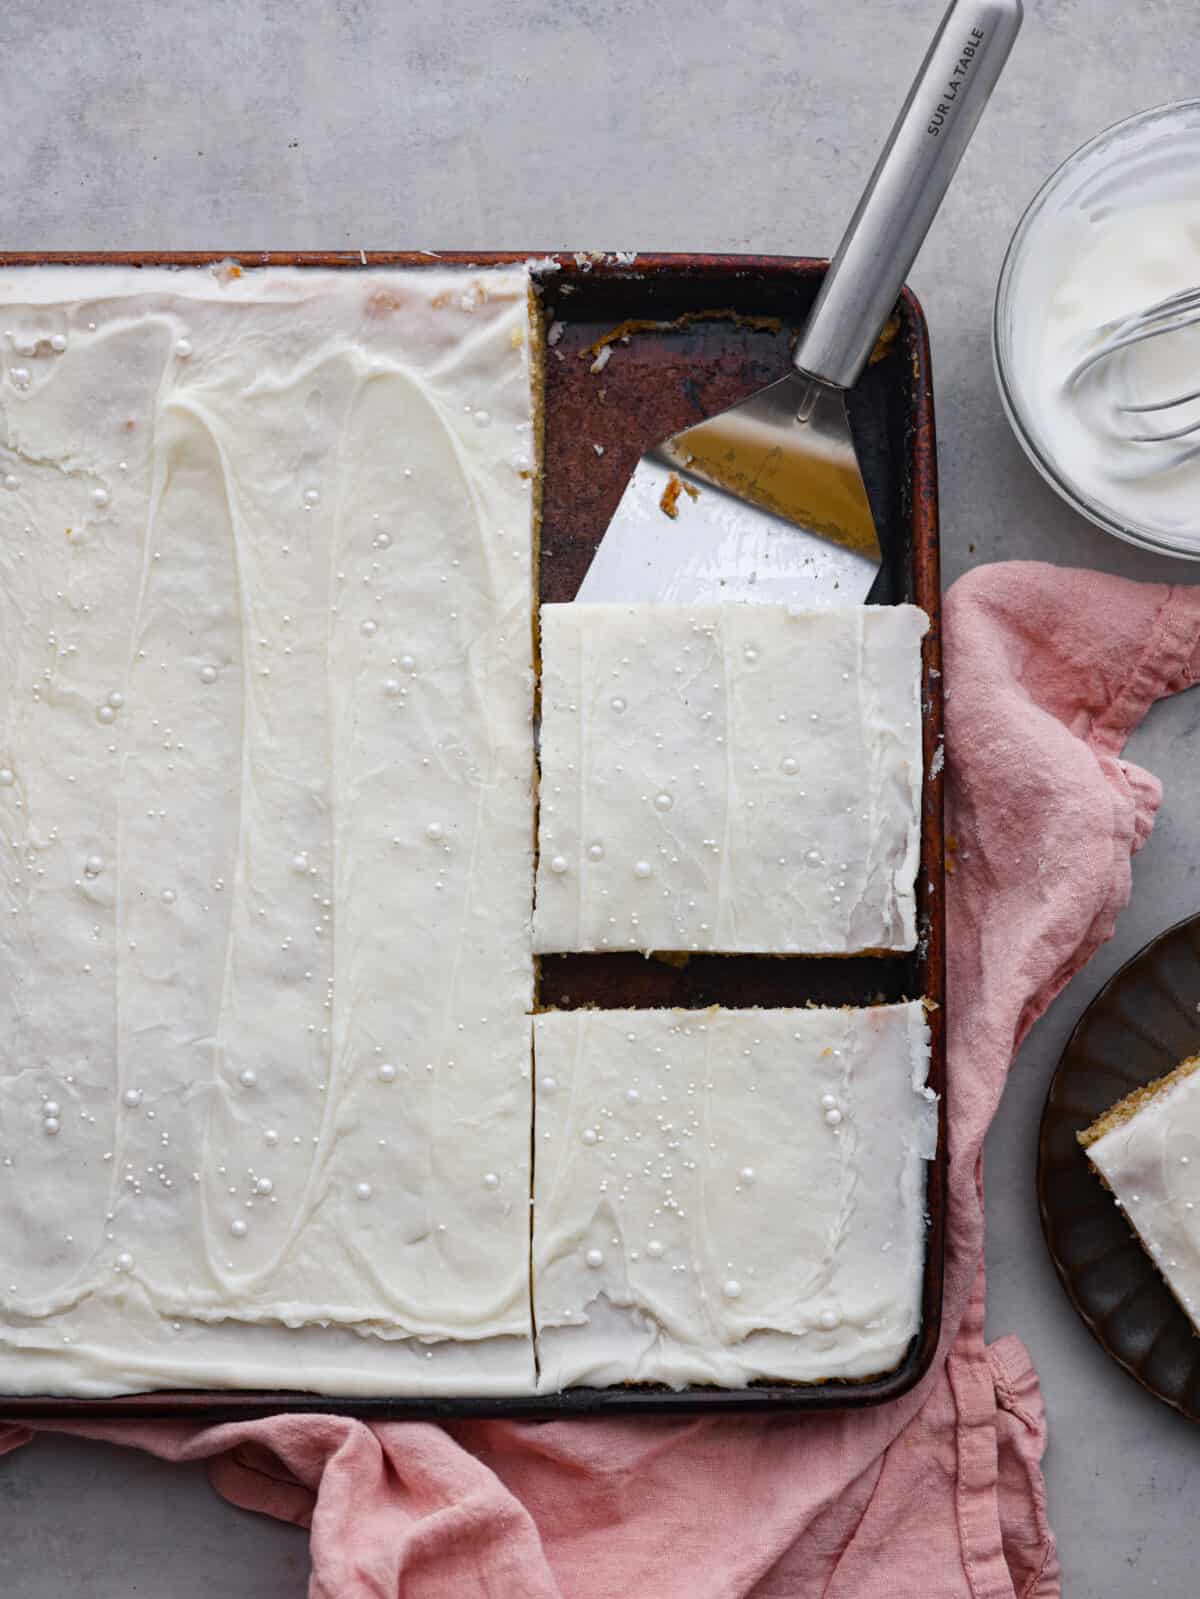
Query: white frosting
{"type": "Point", "coordinates": [1117, 232]}
{"type": "Point", "coordinates": [722, 1195]}
{"type": "Point", "coordinates": [1152, 1164]}
{"type": "Point", "coordinates": [265, 587]}
{"type": "Point", "coordinates": [736, 778]}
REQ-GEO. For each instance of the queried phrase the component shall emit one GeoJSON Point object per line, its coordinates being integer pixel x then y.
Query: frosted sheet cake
{"type": "Point", "coordinates": [266, 799]}
{"type": "Point", "coordinates": [266, 886]}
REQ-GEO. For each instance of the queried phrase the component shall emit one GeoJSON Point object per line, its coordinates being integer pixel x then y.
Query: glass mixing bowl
{"type": "Point", "coordinates": [1161, 145]}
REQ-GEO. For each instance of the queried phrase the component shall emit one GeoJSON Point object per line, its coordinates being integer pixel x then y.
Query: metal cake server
{"type": "Point", "coordinates": [765, 501]}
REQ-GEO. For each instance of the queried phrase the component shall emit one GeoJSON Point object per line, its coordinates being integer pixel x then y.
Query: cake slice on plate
{"type": "Point", "coordinates": [1146, 1147]}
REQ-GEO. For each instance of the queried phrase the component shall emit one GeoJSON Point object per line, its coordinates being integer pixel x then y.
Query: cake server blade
{"type": "Point", "coordinates": [765, 501]}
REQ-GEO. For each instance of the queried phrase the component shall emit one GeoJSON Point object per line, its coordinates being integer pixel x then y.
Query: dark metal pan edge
{"type": "Point", "coordinates": [915, 452]}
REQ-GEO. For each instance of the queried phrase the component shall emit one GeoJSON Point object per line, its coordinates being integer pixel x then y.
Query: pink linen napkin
{"type": "Point", "coordinates": [938, 1495]}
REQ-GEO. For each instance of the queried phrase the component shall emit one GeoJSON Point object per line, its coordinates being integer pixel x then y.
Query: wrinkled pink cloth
{"type": "Point", "coordinates": [938, 1495]}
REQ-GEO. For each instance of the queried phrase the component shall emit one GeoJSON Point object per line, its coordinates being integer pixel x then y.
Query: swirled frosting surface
{"type": "Point", "coordinates": [266, 814]}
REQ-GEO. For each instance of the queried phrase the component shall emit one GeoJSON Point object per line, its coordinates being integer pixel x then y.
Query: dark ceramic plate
{"type": "Point", "coordinates": [1141, 1024]}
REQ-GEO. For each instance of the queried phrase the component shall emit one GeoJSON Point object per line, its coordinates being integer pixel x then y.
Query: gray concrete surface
{"type": "Point", "coordinates": [655, 124]}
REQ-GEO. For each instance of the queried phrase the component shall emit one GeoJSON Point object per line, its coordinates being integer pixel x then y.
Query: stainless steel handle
{"type": "Point", "coordinates": [910, 178]}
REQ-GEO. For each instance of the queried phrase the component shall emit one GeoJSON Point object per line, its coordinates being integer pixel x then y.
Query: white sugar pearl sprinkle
{"type": "Point", "coordinates": [833, 1117]}
{"type": "Point", "coordinates": [248, 1077]}
{"type": "Point", "coordinates": [124, 1261]}
{"type": "Point", "coordinates": [362, 1190]}
{"type": "Point", "coordinates": [132, 1098]}
{"type": "Point", "coordinates": [386, 1073]}
{"type": "Point", "coordinates": [731, 1288]}
{"type": "Point", "coordinates": [51, 1125]}
{"type": "Point", "coordinates": [434, 831]}
{"type": "Point", "coordinates": [558, 864]}
{"type": "Point", "coordinates": [747, 1174]}
{"type": "Point", "coordinates": [6, 777]}
{"type": "Point", "coordinates": [491, 1179]}
{"type": "Point", "coordinates": [642, 869]}
{"type": "Point", "coordinates": [594, 1259]}
{"type": "Point", "coordinates": [654, 1249]}
{"type": "Point", "coordinates": [829, 1319]}
{"type": "Point", "coordinates": [183, 348]}
{"type": "Point", "coordinates": [208, 674]}
{"type": "Point", "coordinates": [238, 1227]}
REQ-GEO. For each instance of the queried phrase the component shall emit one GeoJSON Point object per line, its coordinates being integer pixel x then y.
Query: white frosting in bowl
{"type": "Point", "coordinates": [1113, 233]}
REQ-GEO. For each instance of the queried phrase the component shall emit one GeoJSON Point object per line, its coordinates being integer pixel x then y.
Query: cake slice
{"type": "Point", "coordinates": [738, 778]}
{"type": "Point", "coordinates": [722, 1196]}
{"type": "Point", "coordinates": [1146, 1147]}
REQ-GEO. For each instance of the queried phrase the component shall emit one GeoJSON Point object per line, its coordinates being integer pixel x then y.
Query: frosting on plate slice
{"type": "Point", "coordinates": [1147, 1149]}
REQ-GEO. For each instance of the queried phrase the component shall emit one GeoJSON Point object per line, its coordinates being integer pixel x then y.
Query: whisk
{"type": "Point", "coordinates": [1177, 311]}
